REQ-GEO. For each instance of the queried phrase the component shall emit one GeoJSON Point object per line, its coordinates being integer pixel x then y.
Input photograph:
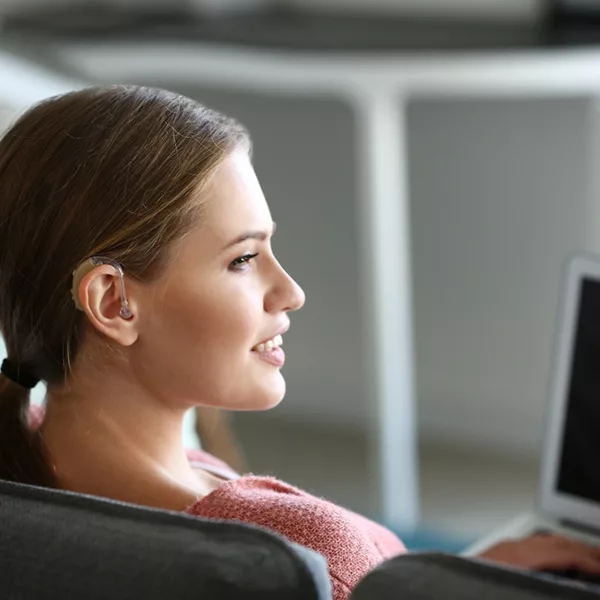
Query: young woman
{"type": "Point", "coordinates": [137, 280]}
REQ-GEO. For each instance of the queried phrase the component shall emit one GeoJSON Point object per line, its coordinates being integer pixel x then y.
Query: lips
{"type": "Point", "coordinates": [275, 357]}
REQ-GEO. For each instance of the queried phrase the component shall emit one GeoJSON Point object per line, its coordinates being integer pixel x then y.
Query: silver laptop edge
{"type": "Point", "coordinates": [553, 507]}
{"type": "Point", "coordinates": [550, 500]}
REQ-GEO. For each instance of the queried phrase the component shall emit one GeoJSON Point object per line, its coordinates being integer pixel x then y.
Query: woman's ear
{"type": "Point", "coordinates": [99, 295]}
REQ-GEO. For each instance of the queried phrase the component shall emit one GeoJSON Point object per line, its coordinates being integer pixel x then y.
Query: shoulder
{"type": "Point", "coordinates": [352, 544]}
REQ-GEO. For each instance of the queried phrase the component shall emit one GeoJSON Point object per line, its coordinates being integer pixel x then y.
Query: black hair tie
{"type": "Point", "coordinates": [17, 375]}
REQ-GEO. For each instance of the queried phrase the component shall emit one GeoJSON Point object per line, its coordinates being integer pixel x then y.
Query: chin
{"type": "Point", "coordinates": [269, 397]}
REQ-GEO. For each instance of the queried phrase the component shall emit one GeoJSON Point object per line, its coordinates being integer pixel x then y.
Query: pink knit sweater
{"type": "Point", "coordinates": [351, 544]}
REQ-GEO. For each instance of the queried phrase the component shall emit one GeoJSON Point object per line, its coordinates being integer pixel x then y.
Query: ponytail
{"type": "Point", "coordinates": [22, 456]}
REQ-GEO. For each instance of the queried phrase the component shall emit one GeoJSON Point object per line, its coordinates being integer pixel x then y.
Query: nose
{"type": "Point", "coordinates": [286, 295]}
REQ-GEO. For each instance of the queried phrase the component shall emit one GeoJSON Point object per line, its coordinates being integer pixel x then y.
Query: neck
{"type": "Point", "coordinates": [110, 437]}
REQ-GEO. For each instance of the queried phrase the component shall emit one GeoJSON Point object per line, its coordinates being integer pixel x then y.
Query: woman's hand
{"type": "Point", "coordinates": [546, 552]}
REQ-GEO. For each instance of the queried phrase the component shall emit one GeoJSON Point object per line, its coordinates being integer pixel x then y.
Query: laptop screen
{"type": "Point", "coordinates": [579, 470]}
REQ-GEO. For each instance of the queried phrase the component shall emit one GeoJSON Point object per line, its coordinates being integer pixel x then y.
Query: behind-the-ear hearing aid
{"type": "Point", "coordinates": [91, 263]}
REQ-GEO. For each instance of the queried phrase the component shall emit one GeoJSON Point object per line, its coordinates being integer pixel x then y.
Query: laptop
{"type": "Point", "coordinates": [568, 501]}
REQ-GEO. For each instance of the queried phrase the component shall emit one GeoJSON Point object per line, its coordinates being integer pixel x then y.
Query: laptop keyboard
{"type": "Point", "coordinates": [571, 534]}
{"type": "Point", "coordinates": [575, 576]}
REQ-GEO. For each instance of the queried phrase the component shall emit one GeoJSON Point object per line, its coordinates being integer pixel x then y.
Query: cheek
{"type": "Point", "coordinates": [227, 327]}
{"type": "Point", "coordinates": [211, 332]}
{"type": "Point", "coordinates": [196, 347]}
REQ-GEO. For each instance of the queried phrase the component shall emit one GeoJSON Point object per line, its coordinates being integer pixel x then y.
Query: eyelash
{"type": "Point", "coordinates": [239, 264]}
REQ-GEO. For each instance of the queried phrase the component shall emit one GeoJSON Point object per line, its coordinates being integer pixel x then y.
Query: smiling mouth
{"type": "Point", "coordinates": [269, 345]}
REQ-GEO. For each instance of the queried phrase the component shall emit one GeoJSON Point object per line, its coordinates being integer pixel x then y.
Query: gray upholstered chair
{"type": "Point", "coordinates": [432, 576]}
{"type": "Point", "coordinates": [60, 545]}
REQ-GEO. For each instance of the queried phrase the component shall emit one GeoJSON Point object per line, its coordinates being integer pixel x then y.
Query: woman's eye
{"type": "Point", "coordinates": [240, 263]}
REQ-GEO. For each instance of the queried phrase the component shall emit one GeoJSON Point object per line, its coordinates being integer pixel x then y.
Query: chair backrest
{"type": "Point", "coordinates": [56, 544]}
{"type": "Point", "coordinates": [431, 576]}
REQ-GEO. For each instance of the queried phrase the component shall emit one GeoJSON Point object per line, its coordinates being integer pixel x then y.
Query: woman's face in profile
{"type": "Point", "coordinates": [222, 295]}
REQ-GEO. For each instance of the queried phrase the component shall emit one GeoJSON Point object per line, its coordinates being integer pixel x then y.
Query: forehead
{"type": "Point", "coordinates": [234, 200]}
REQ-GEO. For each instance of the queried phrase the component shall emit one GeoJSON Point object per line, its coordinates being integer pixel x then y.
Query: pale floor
{"type": "Point", "coordinates": [464, 493]}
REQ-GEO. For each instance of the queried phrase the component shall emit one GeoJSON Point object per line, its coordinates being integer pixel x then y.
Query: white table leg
{"type": "Point", "coordinates": [383, 237]}
{"type": "Point", "coordinates": [592, 224]}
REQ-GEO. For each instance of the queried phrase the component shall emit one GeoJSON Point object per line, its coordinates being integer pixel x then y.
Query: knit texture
{"type": "Point", "coordinates": [351, 544]}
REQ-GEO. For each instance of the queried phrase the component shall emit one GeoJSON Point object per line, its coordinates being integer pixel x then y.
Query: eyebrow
{"type": "Point", "coordinates": [252, 235]}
